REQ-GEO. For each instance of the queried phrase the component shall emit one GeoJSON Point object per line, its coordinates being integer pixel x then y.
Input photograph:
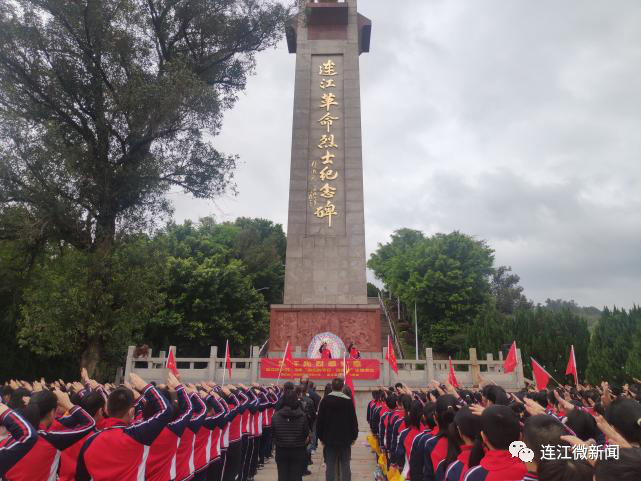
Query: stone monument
{"type": "Point", "coordinates": [325, 283]}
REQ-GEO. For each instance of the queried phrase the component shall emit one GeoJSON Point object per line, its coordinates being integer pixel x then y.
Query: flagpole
{"type": "Point", "coordinates": [225, 363]}
{"type": "Point", "coordinates": [282, 363]}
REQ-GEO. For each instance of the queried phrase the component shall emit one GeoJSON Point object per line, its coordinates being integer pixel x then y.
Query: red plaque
{"type": "Point", "coordinates": [320, 368]}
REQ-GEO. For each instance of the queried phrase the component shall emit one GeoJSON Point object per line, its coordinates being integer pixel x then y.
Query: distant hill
{"type": "Point", "coordinates": [590, 314]}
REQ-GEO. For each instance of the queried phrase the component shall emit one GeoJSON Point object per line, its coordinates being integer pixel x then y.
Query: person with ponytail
{"type": "Point", "coordinates": [417, 450]}
{"type": "Point", "coordinates": [54, 434]}
{"type": "Point", "coordinates": [405, 401]}
{"type": "Point", "coordinates": [499, 428]}
{"type": "Point", "coordinates": [463, 433]}
{"type": "Point", "coordinates": [435, 449]}
{"type": "Point", "coordinates": [406, 438]}
{"type": "Point", "coordinates": [22, 437]}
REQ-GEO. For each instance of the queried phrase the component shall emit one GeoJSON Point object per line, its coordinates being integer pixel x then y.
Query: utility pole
{"type": "Point", "coordinates": [416, 329]}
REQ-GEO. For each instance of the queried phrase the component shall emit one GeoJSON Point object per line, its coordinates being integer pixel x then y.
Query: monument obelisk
{"type": "Point", "coordinates": [325, 283]}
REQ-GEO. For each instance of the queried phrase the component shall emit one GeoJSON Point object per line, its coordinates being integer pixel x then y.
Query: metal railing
{"type": "Point", "coordinates": [392, 328]}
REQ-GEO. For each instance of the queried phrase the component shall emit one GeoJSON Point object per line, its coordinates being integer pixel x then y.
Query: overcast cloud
{"type": "Point", "coordinates": [515, 121]}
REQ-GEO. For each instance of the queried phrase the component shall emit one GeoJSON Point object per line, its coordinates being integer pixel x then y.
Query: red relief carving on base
{"type": "Point", "coordinates": [300, 325]}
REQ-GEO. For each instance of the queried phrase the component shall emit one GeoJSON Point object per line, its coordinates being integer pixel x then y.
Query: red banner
{"type": "Point", "coordinates": [320, 368]}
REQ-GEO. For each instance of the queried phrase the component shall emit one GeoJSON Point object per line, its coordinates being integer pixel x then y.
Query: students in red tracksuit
{"type": "Point", "coordinates": [234, 460]}
{"type": "Point", "coordinates": [54, 435]}
{"type": "Point", "coordinates": [120, 451]}
{"type": "Point", "coordinates": [436, 450]}
{"type": "Point", "coordinates": [215, 421]}
{"type": "Point", "coordinates": [185, 465]}
{"type": "Point", "coordinates": [412, 428]}
{"type": "Point", "coordinates": [22, 437]}
{"type": "Point", "coordinates": [465, 430]}
{"type": "Point", "coordinates": [93, 402]}
{"type": "Point", "coordinates": [202, 439]}
{"type": "Point", "coordinates": [245, 400]}
{"type": "Point", "coordinates": [499, 428]}
{"type": "Point", "coordinates": [161, 463]}
{"type": "Point", "coordinates": [225, 423]}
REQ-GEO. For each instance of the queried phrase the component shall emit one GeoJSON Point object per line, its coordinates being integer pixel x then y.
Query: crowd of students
{"type": "Point", "coordinates": [442, 433]}
{"type": "Point", "coordinates": [134, 432]}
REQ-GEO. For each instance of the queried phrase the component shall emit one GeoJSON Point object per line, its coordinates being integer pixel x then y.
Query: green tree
{"type": "Point", "coordinates": [104, 107]}
{"type": "Point", "coordinates": [372, 290]}
{"type": "Point", "coordinates": [539, 332]}
{"type": "Point", "coordinates": [507, 291]}
{"type": "Point", "coordinates": [447, 275]}
{"type": "Point", "coordinates": [209, 291]}
{"type": "Point", "coordinates": [633, 362]}
{"type": "Point", "coordinates": [610, 345]}
{"type": "Point", "coordinates": [60, 311]}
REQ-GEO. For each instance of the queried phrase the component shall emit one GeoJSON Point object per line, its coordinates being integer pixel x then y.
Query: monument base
{"type": "Point", "coordinates": [298, 324]}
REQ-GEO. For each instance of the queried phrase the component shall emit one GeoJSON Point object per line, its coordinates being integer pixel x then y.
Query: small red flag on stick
{"type": "Point", "coordinates": [390, 357]}
{"type": "Point", "coordinates": [509, 364]}
{"type": "Point", "coordinates": [572, 369]}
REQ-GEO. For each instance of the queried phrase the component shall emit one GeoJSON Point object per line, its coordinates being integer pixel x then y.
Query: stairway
{"type": "Point", "coordinates": [385, 328]}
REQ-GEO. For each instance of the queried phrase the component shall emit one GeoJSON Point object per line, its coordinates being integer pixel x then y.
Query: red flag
{"type": "Point", "coordinates": [509, 364]}
{"type": "Point", "coordinates": [571, 369]}
{"type": "Point", "coordinates": [451, 378]}
{"type": "Point", "coordinates": [288, 359]}
{"type": "Point", "coordinates": [541, 376]}
{"type": "Point", "coordinates": [349, 381]}
{"type": "Point", "coordinates": [171, 363]}
{"type": "Point", "coordinates": [390, 357]}
{"type": "Point", "coordinates": [227, 360]}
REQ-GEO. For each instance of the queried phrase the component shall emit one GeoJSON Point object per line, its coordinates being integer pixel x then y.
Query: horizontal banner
{"type": "Point", "coordinates": [320, 368]}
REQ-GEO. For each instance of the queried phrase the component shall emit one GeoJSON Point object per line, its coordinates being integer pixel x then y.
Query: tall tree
{"type": "Point", "coordinates": [447, 275]}
{"type": "Point", "coordinates": [209, 291]}
{"type": "Point", "coordinates": [610, 345]}
{"type": "Point", "coordinates": [633, 362]}
{"type": "Point", "coordinates": [507, 291]}
{"type": "Point", "coordinates": [104, 107]}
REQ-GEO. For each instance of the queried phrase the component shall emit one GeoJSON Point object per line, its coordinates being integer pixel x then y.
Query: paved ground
{"type": "Point", "coordinates": [363, 464]}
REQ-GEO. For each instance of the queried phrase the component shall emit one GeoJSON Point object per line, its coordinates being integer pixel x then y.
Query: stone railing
{"type": "Point", "coordinates": [413, 372]}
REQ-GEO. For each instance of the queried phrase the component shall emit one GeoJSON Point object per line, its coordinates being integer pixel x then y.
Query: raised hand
{"type": "Point", "coordinates": [137, 382]}
{"type": "Point", "coordinates": [172, 382]}
{"type": "Point", "coordinates": [84, 375]}
{"type": "Point", "coordinates": [532, 407]}
{"type": "Point", "coordinates": [477, 409]}
{"type": "Point", "coordinates": [613, 435]}
{"type": "Point", "coordinates": [63, 400]}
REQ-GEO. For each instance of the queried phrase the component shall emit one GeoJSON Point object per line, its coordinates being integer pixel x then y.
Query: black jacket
{"type": "Point", "coordinates": [336, 424]}
{"type": "Point", "coordinates": [290, 428]}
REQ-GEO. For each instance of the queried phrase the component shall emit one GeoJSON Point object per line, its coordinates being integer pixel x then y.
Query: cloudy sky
{"type": "Point", "coordinates": [515, 121]}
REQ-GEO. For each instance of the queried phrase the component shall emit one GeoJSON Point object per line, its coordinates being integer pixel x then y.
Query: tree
{"type": "Point", "coordinates": [103, 109]}
{"type": "Point", "coordinates": [447, 275]}
{"type": "Point", "coordinates": [507, 291]}
{"type": "Point", "coordinates": [610, 345]}
{"type": "Point", "coordinates": [60, 310]}
{"type": "Point", "coordinates": [539, 332]}
{"type": "Point", "coordinates": [633, 361]}
{"type": "Point", "coordinates": [372, 290]}
{"type": "Point", "coordinates": [209, 291]}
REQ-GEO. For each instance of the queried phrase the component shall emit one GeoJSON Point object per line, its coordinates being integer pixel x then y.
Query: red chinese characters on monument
{"type": "Point", "coordinates": [320, 369]}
